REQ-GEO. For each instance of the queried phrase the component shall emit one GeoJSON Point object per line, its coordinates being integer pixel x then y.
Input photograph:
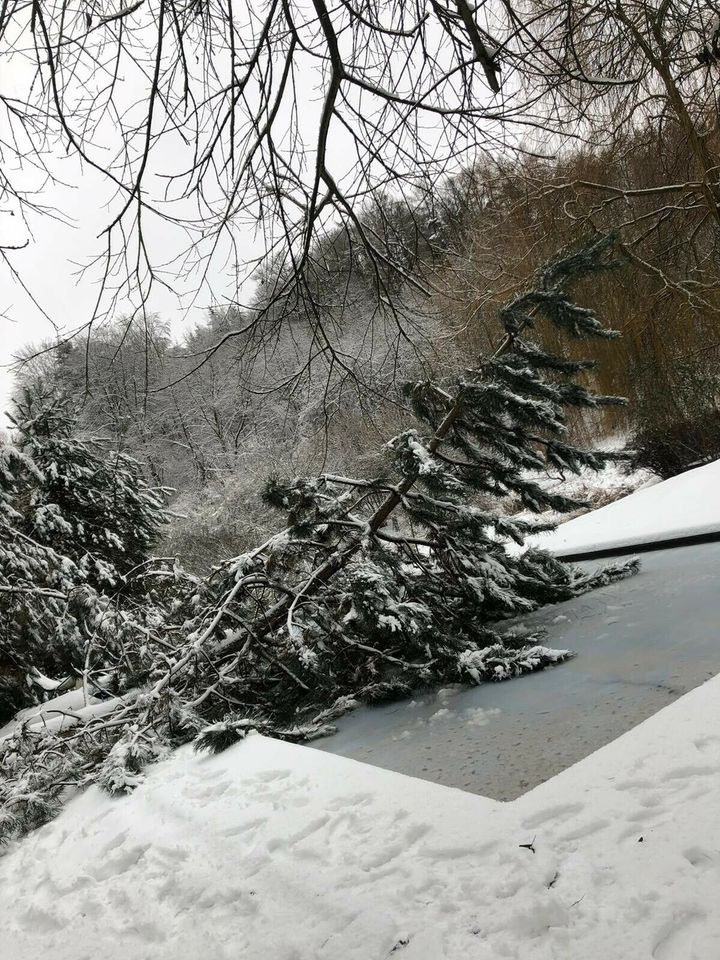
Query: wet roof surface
{"type": "Point", "coordinates": [641, 644]}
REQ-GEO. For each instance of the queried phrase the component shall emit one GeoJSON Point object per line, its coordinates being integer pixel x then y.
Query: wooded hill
{"type": "Point", "coordinates": [309, 377]}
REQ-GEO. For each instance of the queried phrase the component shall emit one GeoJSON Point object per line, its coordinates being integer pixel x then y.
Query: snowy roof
{"type": "Point", "coordinates": [273, 851]}
{"type": "Point", "coordinates": [687, 505]}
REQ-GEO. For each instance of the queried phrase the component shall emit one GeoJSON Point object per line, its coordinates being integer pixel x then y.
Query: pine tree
{"type": "Point", "coordinates": [93, 503]}
{"type": "Point", "coordinates": [376, 587]}
{"type": "Point", "coordinates": [35, 585]}
{"type": "Point", "coordinates": [75, 521]}
{"type": "Point", "coordinates": [345, 606]}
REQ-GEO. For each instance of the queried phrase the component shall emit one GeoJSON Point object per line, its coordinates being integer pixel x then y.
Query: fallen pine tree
{"type": "Point", "coordinates": [377, 586]}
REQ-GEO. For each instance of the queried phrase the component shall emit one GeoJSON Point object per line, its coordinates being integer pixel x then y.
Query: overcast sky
{"type": "Point", "coordinates": [49, 267]}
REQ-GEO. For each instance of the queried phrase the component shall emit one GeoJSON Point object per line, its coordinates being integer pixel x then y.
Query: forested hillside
{"type": "Point", "coordinates": [293, 384]}
{"type": "Point", "coordinates": [380, 582]}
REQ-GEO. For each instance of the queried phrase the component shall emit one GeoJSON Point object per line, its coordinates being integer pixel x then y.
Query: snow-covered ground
{"type": "Point", "coordinates": [682, 506]}
{"type": "Point", "coordinates": [597, 487]}
{"type": "Point", "coordinates": [280, 852]}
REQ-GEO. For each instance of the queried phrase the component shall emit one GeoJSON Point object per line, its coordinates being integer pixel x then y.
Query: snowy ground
{"type": "Point", "coordinates": [683, 506]}
{"type": "Point", "coordinates": [279, 852]}
{"type": "Point", "coordinates": [596, 487]}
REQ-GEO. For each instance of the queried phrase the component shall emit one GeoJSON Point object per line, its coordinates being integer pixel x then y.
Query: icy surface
{"type": "Point", "coordinates": [280, 852]}
{"type": "Point", "coordinates": [641, 643]}
{"type": "Point", "coordinates": [685, 505]}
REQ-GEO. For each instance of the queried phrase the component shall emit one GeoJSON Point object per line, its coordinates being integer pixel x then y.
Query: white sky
{"type": "Point", "coordinates": [49, 268]}
{"type": "Point", "coordinates": [49, 265]}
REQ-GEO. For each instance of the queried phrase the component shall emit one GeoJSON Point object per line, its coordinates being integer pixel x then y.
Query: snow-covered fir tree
{"type": "Point", "coordinates": [381, 585]}
{"type": "Point", "coordinates": [34, 584]}
{"type": "Point", "coordinates": [376, 587]}
{"type": "Point", "coordinates": [76, 520]}
{"type": "Point", "coordinates": [92, 504]}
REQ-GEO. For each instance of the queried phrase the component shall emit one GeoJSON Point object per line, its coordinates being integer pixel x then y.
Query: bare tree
{"type": "Point", "coordinates": [661, 62]}
{"type": "Point", "coordinates": [217, 117]}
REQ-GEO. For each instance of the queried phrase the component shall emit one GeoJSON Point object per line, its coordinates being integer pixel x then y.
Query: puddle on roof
{"type": "Point", "coordinates": [641, 644]}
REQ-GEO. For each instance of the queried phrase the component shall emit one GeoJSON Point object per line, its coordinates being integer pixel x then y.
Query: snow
{"type": "Point", "coordinates": [274, 851]}
{"type": "Point", "coordinates": [598, 487]}
{"type": "Point", "coordinates": [63, 712]}
{"type": "Point", "coordinates": [682, 506]}
{"type": "Point", "coordinates": [45, 683]}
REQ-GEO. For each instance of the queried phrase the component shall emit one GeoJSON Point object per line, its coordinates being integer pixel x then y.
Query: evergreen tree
{"type": "Point", "coordinates": [93, 503]}
{"type": "Point", "coordinates": [377, 585]}
{"type": "Point", "coordinates": [36, 583]}
{"type": "Point", "coordinates": [75, 521]}
{"type": "Point", "coordinates": [346, 608]}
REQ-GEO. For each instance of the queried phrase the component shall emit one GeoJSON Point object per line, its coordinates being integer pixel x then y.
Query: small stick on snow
{"type": "Point", "coordinates": [528, 846]}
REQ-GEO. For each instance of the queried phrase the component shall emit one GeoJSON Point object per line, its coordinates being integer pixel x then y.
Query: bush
{"type": "Point", "coordinates": [669, 447]}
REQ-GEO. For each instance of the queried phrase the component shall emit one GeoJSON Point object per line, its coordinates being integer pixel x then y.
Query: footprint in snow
{"type": "Point", "coordinates": [676, 938]}
{"type": "Point", "coordinates": [175, 853]}
{"type": "Point", "coordinates": [208, 790]}
{"type": "Point", "coordinates": [79, 882]}
{"type": "Point", "coordinates": [685, 773]}
{"type": "Point", "coordinates": [270, 776]}
{"type": "Point", "coordinates": [350, 800]}
{"type": "Point", "coordinates": [586, 829]}
{"type": "Point", "coordinates": [41, 920]}
{"type": "Point", "coordinates": [114, 842]}
{"type": "Point", "coordinates": [277, 843]}
{"type": "Point", "coordinates": [147, 932]}
{"type": "Point", "coordinates": [699, 857]}
{"type": "Point", "coordinates": [634, 784]}
{"type": "Point", "coordinates": [416, 832]}
{"type": "Point", "coordinates": [246, 827]}
{"type": "Point", "coordinates": [558, 812]}
{"type": "Point", "coordinates": [434, 852]}
{"type": "Point", "coordinates": [125, 860]}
